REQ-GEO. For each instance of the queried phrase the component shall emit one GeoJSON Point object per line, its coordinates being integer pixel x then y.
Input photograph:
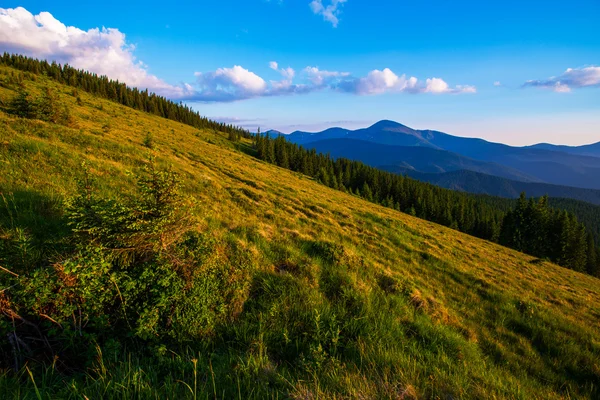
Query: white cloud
{"type": "Point", "coordinates": [561, 88]}
{"type": "Point", "coordinates": [106, 52]}
{"type": "Point", "coordinates": [463, 89]}
{"type": "Point", "coordinates": [102, 51]}
{"type": "Point", "coordinates": [319, 77]}
{"type": "Point", "coordinates": [228, 84]}
{"type": "Point", "coordinates": [285, 84]}
{"type": "Point", "coordinates": [437, 85]}
{"type": "Point", "coordinates": [377, 82]}
{"type": "Point", "coordinates": [497, 83]}
{"type": "Point", "coordinates": [330, 12]}
{"type": "Point", "coordinates": [238, 83]}
{"type": "Point", "coordinates": [572, 78]}
{"type": "Point", "coordinates": [386, 81]}
{"type": "Point", "coordinates": [288, 73]}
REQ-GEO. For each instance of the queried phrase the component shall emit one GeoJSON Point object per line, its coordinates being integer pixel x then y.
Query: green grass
{"type": "Point", "coordinates": [342, 298]}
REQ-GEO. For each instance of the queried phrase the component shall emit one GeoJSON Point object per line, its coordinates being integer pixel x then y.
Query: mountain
{"type": "Point", "coordinates": [480, 183]}
{"type": "Point", "coordinates": [423, 159]}
{"type": "Point", "coordinates": [306, 137]}
{"type": "Point", "coordinates": [592, 150]}
{"type": "Point", "coordinates": [536, 164]}
{"type": "Point", "coordinates": [384, 132]}
{"type": "Point", "coordinates": [145, 257]}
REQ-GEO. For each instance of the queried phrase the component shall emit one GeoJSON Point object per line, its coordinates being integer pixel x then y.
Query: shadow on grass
{"type": "Point", "coordinates": [33, 228]}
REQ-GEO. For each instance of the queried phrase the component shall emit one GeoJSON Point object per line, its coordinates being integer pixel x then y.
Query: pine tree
{"type": "Point", "coordinates": [47, 109]}
{"type": "Point", "coordinates": [366, 192]}
{"type": "Point", "coordinates": [270, 150]}
{"type": "Point", "coordinates": [21, 105]}
{"type": "Point", "coordinates": [592, 266]}
{"type": "Point", "coordinates": [233, 136]}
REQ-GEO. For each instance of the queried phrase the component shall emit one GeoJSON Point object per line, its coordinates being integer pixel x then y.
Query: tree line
{"type": "Point", "coordinates": [118, 92]}
{"type": "Point", "coordinates": [531, 226]}
{"type": "Point", "coordinates": [535, 228]}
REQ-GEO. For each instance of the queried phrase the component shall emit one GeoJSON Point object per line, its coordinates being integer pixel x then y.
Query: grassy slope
{"type": "Point", "coordinates": [434, 312]}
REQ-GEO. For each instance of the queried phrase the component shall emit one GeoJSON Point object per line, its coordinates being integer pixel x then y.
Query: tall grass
{"type": "Point", "coordinates": [343, 299]}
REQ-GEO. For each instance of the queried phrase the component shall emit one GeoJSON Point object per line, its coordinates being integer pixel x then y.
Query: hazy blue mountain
{"type": "Point", "coordinates": [539, 163]}
{"type": "Point", "coordinates": [585, 150]}
{"type": "Point", "coordinates": [424, 159]}
{"type": "Point", "coordinates": [384, 132]}
{"type": "Point", "coordinates": [306, 137]}
{"type": "Point", "coordinates": [479, 183]}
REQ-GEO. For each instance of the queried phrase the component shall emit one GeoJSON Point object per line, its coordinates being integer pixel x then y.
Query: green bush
{"type": "Point", "coordinates": [138, 269]}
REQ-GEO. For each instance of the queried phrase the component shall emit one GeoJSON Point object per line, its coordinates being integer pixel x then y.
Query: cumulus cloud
{"type": "Point", "coordinates": [238, 83]}
{"type": "Point", "coordinates": [104, 51]}
{"type": "Point", "coordinates": [572, 78]}
{"type": "Point", "coordinates": [287, 73]}
{"type": "Point", "coordinates": [228, 84]}
{"type": "Point", "coordinates": [386, 81]}
{"type": "Point", "coordinates": [497, 83]}
{"type": "Point", "coordinates": [329, 12]}
{"type": "Point", "coordinates": [319, 77]}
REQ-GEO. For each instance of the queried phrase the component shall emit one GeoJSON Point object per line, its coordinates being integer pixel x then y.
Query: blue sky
{"type": "Point", "coordinates": [514, 72]}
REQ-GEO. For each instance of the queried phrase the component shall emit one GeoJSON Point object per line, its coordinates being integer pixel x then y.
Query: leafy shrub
{"type": "Point", "coordinates": [138, 270]}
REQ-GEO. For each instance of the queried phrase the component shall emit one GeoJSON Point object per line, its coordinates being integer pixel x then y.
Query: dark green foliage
{"type": "Point", "coordinates": [593, 263]}
{"type": "Point", "coordinates": [134, 268]}
{"type": "Point", "coordinates": [532, 227]}
{"type": "Point", "coordinates": [44, 108]}
{"type": "Point", "coordinates": [234, 136]}
{"type": "Point", "coordinates": [21, 105]}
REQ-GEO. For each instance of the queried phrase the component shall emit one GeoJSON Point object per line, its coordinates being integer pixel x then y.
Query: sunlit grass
{"type": "Point", "coordinates": [347, 299]}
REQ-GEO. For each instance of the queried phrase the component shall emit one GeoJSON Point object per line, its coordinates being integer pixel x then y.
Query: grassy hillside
{"type": "Point", "coordinates": [300, 292]}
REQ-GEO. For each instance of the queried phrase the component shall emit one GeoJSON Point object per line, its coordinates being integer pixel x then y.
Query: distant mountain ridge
{"type": "Point", "coordinates": [543, 163]}
{"type": "Point", "coordinates": [478, 183]}
{"type": "Point", "coordinates": [385, 131]}
{"type": "Point", "coordinates": [592, 150]}
{"type": "Point", "coordinates": [423, 159]}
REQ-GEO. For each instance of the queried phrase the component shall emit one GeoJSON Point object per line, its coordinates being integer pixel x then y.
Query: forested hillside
{"type": "Point", "coordinates": [145, 257]}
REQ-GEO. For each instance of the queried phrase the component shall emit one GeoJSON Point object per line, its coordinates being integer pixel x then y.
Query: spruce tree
{"type": "Point", "coordinates": [592, 260]}
{"type": "Point", "coordinates": [21, 105]}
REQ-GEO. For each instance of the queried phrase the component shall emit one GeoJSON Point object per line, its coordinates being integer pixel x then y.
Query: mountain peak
{"type": "Point", "coordinates": [386, 124]}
